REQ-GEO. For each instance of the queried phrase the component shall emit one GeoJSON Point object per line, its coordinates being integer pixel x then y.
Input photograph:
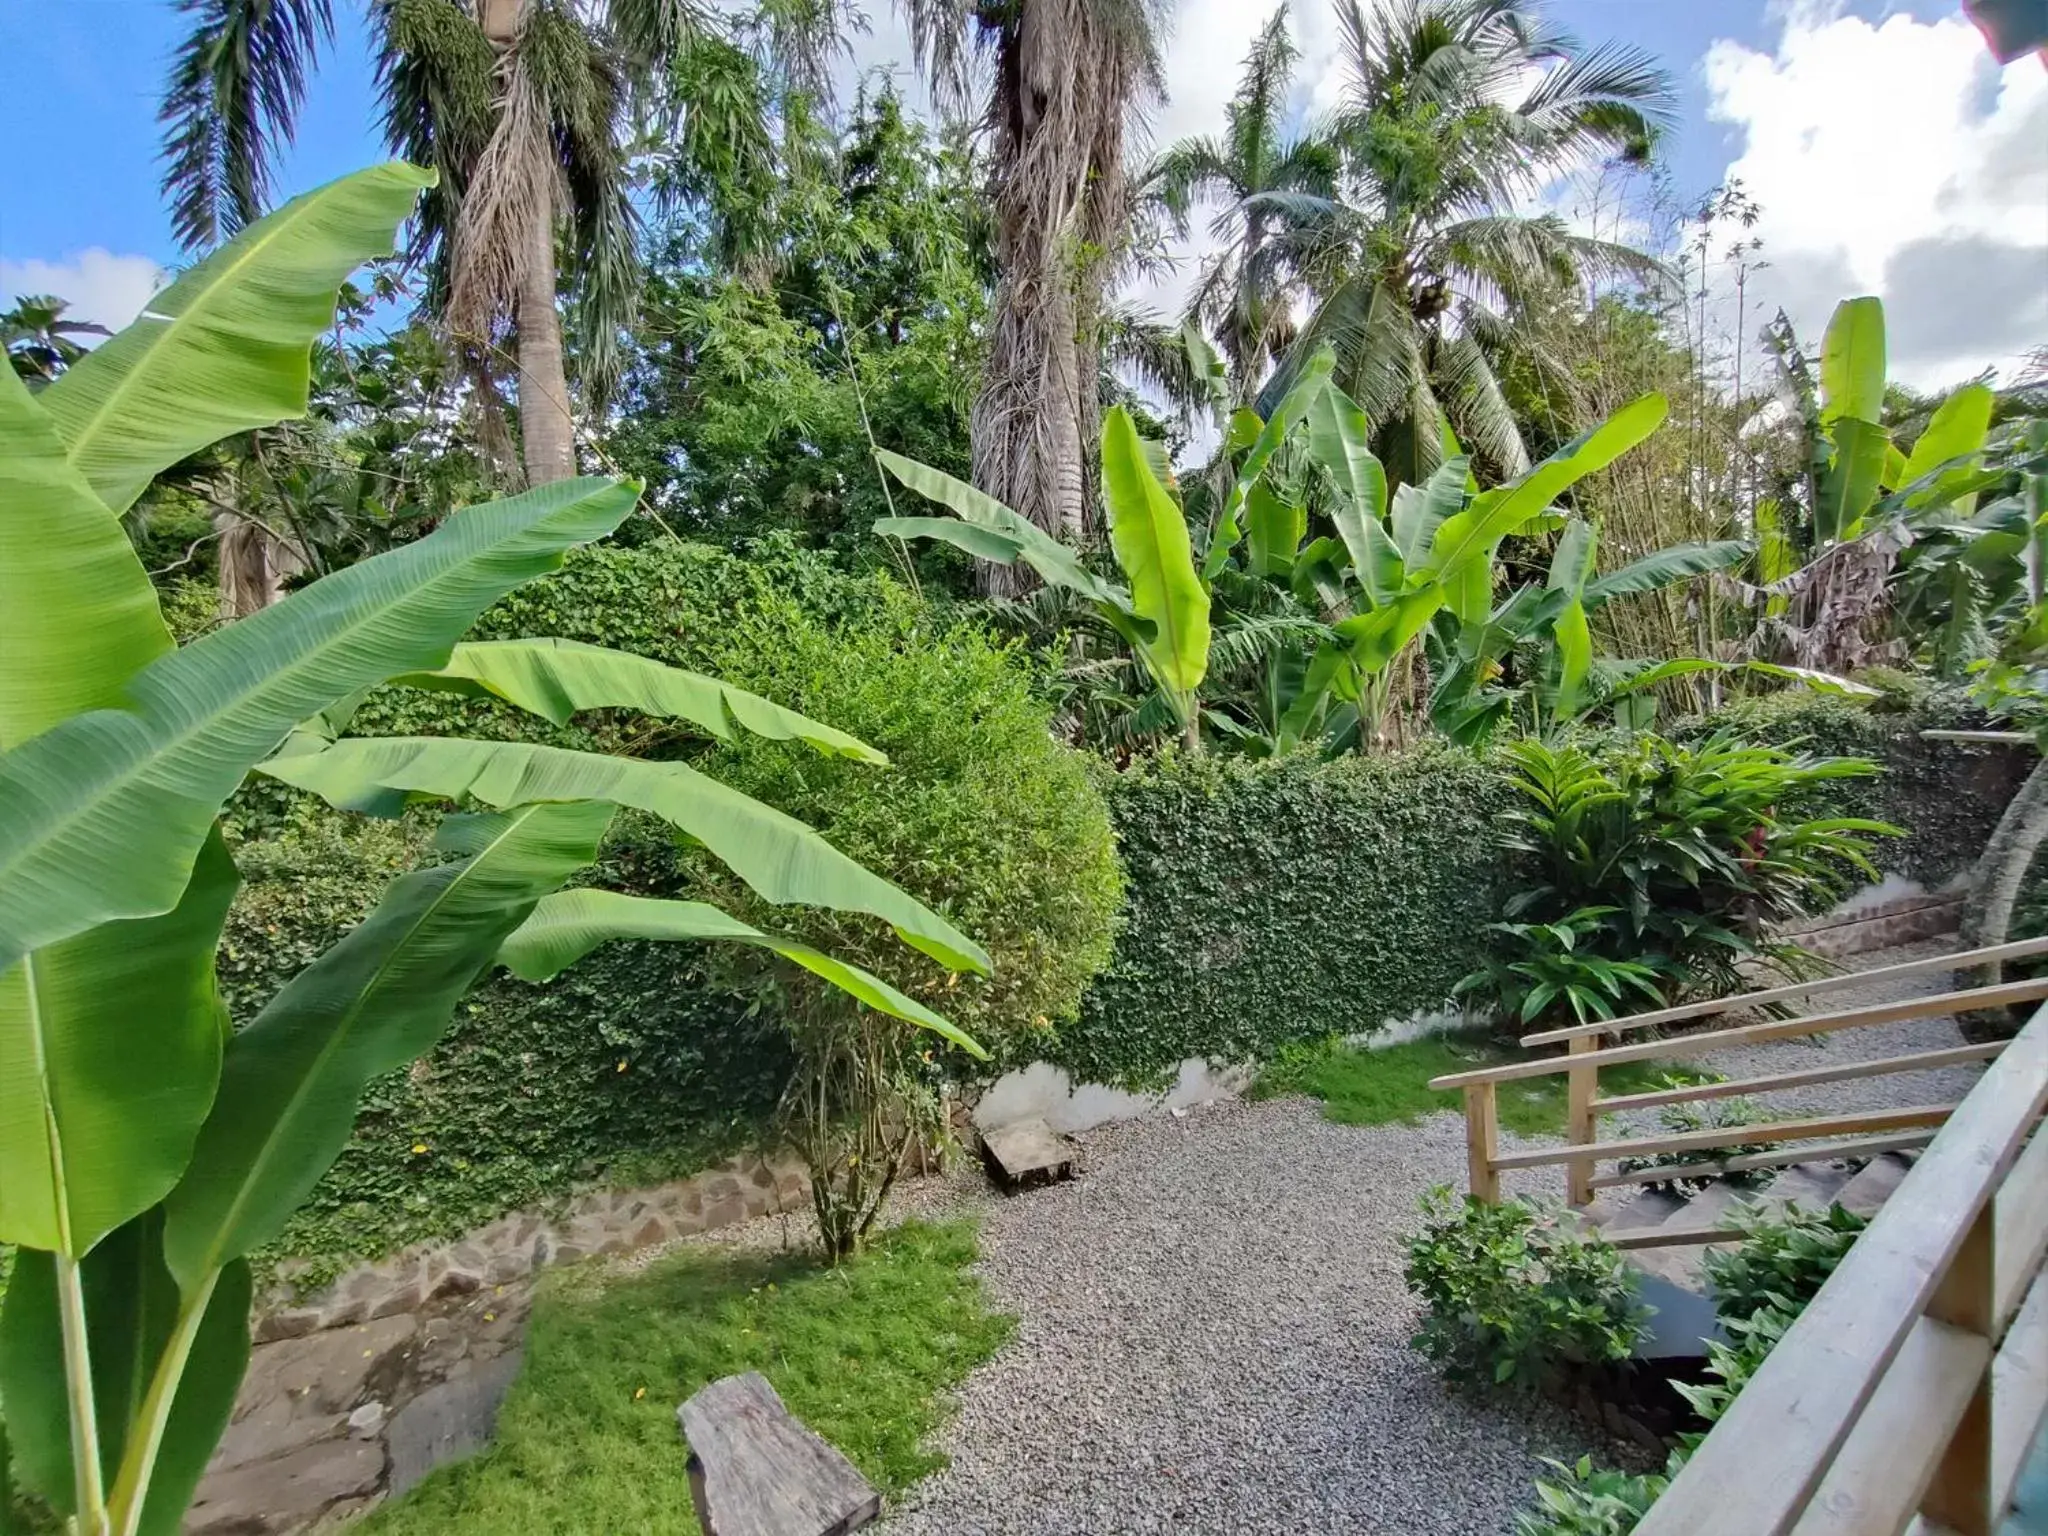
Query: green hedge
{"type": "Point", "coordinates": [1285, 900]}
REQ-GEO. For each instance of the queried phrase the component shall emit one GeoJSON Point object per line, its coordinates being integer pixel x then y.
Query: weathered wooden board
{"type": "Point", "coordinates": [1029, 1152]}
{"type": "Point", "coordinates": [756, 1471]}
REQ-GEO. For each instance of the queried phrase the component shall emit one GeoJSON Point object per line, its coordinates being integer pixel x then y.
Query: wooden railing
{"type": "Point", "coordinates": [1860, 1134]}
{"type": "Point", "coordinates": [1908, 1393]}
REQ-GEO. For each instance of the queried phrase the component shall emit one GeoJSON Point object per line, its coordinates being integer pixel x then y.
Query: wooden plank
{"type": "Point", "coordinates": [1757, 1471]}
{"type": "Point", "coordinates": [1969, 959]}
{"type": "Point", "coordinates": [1737, 1136]}
{"type": "Point", "coordinates": [1960, 1494]}
{"type": "Point", "coordinates": [2022, 1226]}
{"type": "Point", "coordinates": [1669, 1237]}
{"type": "Point", "coordinates": [1581, 1125]}
{"type": "Point", "coordinates": [755, 1471]}
{"type": "Point", "coordinates": [1482, 1142]}
{"type": "Point", "coordinates": [1876, 1484]}
{"type": "Point", "coordinates": [2019, 1393]}
{"type": "Point", "coordinates": [1882, 1066]}
{"type": "Point", "coordinates": [1756, 1034]}
{"type": "Point", "coordinates": [1868, 1146]}
{"type": "Point", "coordinates": [1982, 738]}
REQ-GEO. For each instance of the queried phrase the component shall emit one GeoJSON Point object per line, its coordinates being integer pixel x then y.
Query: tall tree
{"type": "Point", "coordinates": [521, 105]}
{"type": "Point", "coordinates": [1066, 80]}
{"type": "Point", "coordinates": [1455, 113]}
{"type": "Point", "coordinates": [1246, 290]}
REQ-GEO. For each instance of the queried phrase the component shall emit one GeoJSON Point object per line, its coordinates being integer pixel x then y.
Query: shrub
{"type": "Point", "coordinates": [982, 815]}
{"type": "Point", "coordinates": [1551, 968]}
{"type": "Point", "coordinates": [1511, 1293]}
{"type": "Point", "coordinates": [1680, 847]}
{"type": "Point", "coordinates": [1784, 1258]}
{"type": "Point", "coordinates": [1584, 1500]}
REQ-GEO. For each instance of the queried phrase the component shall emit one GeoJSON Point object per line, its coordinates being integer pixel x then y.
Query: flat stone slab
{"type": "Point", "coordinates": [756, 1471]}
{"type": "Point", "coordinates": [1028, 1152]}
{"type": "Point", "coordinates": [448, 1422]}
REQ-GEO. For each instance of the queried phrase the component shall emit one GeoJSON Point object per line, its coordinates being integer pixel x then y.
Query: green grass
{"type": "Point", "coordinates": [587, 1442]}
{"type": "Point", "coordinates": [1391, 1086]}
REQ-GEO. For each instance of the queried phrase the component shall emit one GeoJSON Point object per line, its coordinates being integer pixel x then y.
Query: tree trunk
{"type": "Point", "coordinates": [254, 565]}
{"type": "Point", "coordinates": [544, 422]}
{"type": "Point", "coordinates": [1995, 886]}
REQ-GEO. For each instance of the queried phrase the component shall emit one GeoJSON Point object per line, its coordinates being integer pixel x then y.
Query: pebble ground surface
{"type": "Point", "coordinates": [1213, 1327]}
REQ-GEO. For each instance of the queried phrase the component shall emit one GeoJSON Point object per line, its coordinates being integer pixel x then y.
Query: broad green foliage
{"type": "Point", "coordinates": [116, 879]}
{"type": "Point", "coordinates": [1514, 1294]}
{"type": "Point", "coordinates": [1555, 969]}
{"type": "Point", "coordinates": [1784, 1258]}
{"type": "Point", "coordinates": [1676, 856]}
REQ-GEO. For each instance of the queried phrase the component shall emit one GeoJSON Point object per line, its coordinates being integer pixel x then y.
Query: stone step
{"type": "Point", "coordinates": [1869, 1189]}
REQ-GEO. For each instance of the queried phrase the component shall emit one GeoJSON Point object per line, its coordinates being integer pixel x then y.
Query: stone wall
{"type": "Point", "coordinates": [356, 1391]}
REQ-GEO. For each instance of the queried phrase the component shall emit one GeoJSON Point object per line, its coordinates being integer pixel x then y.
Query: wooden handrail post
{"type": "Point", "coordinates": [1961, 1496]}
{"type": "Point", "coordinates": [1482, 1141]}
{"type": "Point", "coordinates": [1582, 1087]}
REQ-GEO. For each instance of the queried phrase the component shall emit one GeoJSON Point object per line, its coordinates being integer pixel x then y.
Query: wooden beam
{"type": "Point", "coordinates": [1482, 1142]}
{"type": "Point", "coordinates": [1969, 959]}
{"type": "Point", "coordinates": [1737, 1136]}
{"type": "Point", "coordinates": [1982, 738]}
{"type": "Point", "coordinates": [1581, 1125]}
{"type": "Point", "coordinates": [1811, 1152]}
{"type": "Point", "coordinates": [1758, 1470]}
{"type": "Point", "coordinates": [1755, 1034]}
{"type": "Point", "coordinates": [1967, 1300]}
{"type": "Point", "coordinates": [2022, 1226]}
{"type": "Point", "coordinates": [1917, 1061]}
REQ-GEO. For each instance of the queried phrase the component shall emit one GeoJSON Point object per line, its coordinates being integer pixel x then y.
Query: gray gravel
{"type": "Point", "coordinates": [1213, 1329]}
{"type": "Point", "coordinates": [1213, 1337]}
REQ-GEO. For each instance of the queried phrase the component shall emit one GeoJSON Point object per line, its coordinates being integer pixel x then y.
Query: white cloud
{"type": "Point", "coordinates": [100, 286]}
{"type": "Point", "coordinates": [1896, 159]}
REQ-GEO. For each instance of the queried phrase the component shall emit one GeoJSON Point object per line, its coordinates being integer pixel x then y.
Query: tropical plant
{"type": "Point", "coordinates": [145, 1152]}
{"type": "Point", "coordinates": [1455, 112]}
{"type": "Point", "coordinates": [1690, 850]}
{"type": "Point", "coordinates": [1541, 969]}
{"type": "Point", "coordinates": [1512, 1293]}
{"type": "Point", "coordinates": [1579, 1499]}
{"type": "Point", "coordinates": [40, 342]}
{"type": "Point", "coordinates": [1785, 1256]}
{"type": "Point", "coordinates": [1245, 294]}
{"type": "Point", "coordinates": [1065, 77]}
{"type": "Point", "coordinates": [522, 106]}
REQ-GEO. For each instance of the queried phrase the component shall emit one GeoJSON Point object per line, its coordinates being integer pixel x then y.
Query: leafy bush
{"type": "Point", "coordinates": [1511, 1293]}
{"type": "Point", "coordinates": [1681, 847]}
{"type": "Point", "coordinates": [1582, 1500]}
{"type": "Point", "coordinates": [1542, 968]}
{"type": "Point", "coordinates": [1946, 795]}
{"type": "Point", "coordinates": [1705, 1115]}
{"type": "Point", "coordinates": [1784, 1258]}
{"type": "Point", "coordinates": [982, 813]}
{"type": "Point", "coordinates": [1285, 900]}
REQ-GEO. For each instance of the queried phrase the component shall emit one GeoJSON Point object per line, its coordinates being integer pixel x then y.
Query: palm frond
{"type": "Point", "coordinates": [236, 83]}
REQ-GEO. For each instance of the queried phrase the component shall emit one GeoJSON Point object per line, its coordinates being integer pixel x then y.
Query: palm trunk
{"type": "Point", "coordinates": [544, 420]}
{"type": "Point", "coordinates": [1995, 887]}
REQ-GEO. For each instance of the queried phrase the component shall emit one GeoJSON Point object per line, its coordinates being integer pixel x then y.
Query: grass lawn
{"type": "Point", "coordinates": [587, 1442]}
{"type": "Point", "coordinates": [1391, 1086]}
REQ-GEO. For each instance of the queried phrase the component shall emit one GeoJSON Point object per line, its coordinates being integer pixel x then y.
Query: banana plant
{"type": "Point", "coordinates": [146, 1148]}
{"type": "Point", "coordinates": [1163, 612]}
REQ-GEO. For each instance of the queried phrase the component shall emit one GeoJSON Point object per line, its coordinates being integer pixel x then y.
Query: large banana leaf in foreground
{"type": "Point", "coordinates": [570, 924]}
{"type": "Point", "coordinates": [110, 1039]}
{"type": "Point", "coordinates": [292, 1080]}
{"type": "Point", "coordinates": [102, 815]}
{"type": "Point", "coordinates": [780, 857]}
{"type": "Point", "coordinates": [559, 678]}
{"type": "Point", "coordinates": [133, 1308]}
{"type": "Point", "coordinates": [226, 347]}
{"type": "Point", "coordinates": [1150, 538]}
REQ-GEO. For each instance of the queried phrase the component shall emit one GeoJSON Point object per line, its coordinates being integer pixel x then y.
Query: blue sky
{"type": "Point", "coordinates": [82, 213]}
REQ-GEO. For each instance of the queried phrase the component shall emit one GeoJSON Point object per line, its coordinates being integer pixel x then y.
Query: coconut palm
{"type": "Point", "coordinates": [1067, 77]}
{"type": "Point", "coordinates": [39, 341]}
{"type": "Point", "coordinates": [520, 105]}
{"type": "Point", "coordinates": [1245, 293]}
{"type": "Point", "coordinates": [1456, 112]}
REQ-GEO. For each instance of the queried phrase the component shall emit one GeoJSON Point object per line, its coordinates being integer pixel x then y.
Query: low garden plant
{"type": "Point", "coordinates": [1517, 1294]}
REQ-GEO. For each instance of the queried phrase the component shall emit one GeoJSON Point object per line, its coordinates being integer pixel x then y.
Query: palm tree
{"type": "Point", "coordinates": [39, 341]}
{"type": "Point", "coordinates": [1245, 294]}
{"type": "Point", "coordinates": [521, 105]}
{"type": "Point", "coordinates": [1067, 79]}
{"type": "Point", "coordinates": [1456, 112]}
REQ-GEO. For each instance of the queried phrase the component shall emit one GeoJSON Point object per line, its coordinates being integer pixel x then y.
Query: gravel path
{"type": "Point", "coordinates": [1213, 1329]}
